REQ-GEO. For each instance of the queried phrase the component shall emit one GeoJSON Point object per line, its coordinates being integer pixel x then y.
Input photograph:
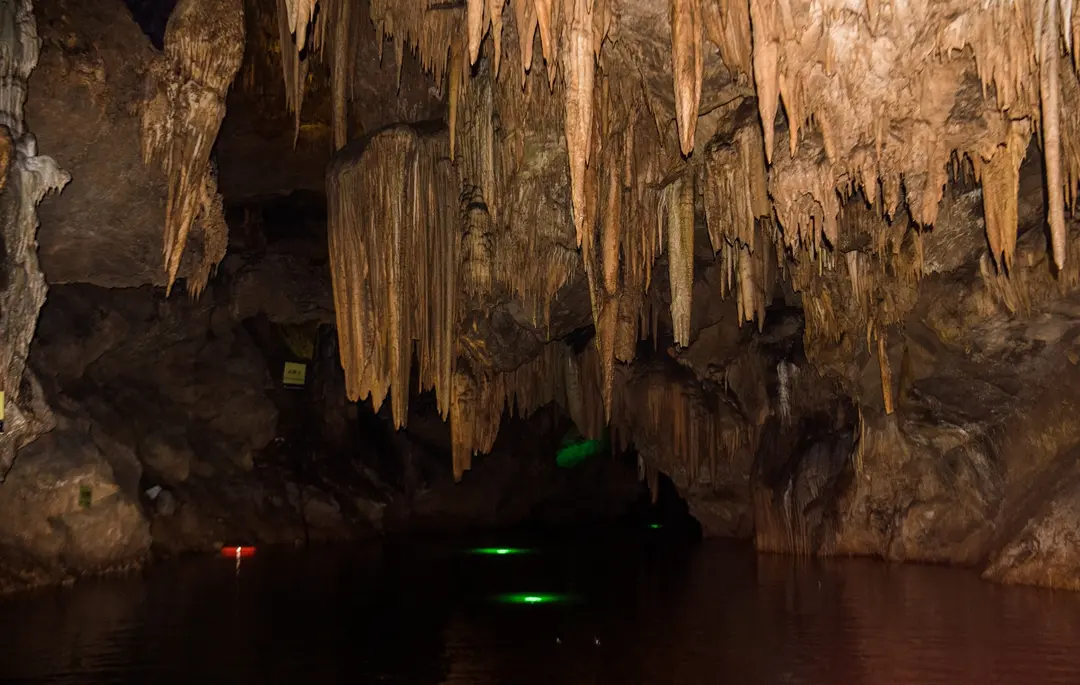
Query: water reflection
{"type": "Point", "coordinates": [423, 614]}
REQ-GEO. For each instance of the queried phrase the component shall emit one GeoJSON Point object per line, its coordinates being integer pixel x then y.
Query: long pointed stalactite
{"type": "Point", "coordinates": [687, 66]}
{"type": "Point", "coordinates": [204, 45]}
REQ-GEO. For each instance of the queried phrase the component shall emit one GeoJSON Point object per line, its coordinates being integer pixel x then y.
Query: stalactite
{"type": "Point", "coordinates": [474, 420]}
{"type": "Point", "coordinates": [1050, 91]}
{"type": "Point", "coordinates": [215, 233]}
{"type": "Point", "coordinates": [393, 205]}
{"type": "Point", "coordinates": [1000, 178]}
{"type": "Point", "coordinates": [877, 100]}
{"type": "Point", "coordinates": [204, 45]}
{"type": "Point", "coordinates": [587, 367]}
{"type": "Point", "coordinates": [735, 187]}
{"type": "Point", "coordinates": [299, 14]}
{"type": "Point", "coordinates": [727, 24]}
{"type": "Point", "coordinates": [886, 372]}
{"type": "Point", "coordinates": [457, 76]}
{"type": "Point", "coordinates": [814, 58]}
{"type": "Point", "coordinates": [606, 332]}
{"type": "Point", "coordinates": [611, 222]}
{"type": "Point", "coordinates": [687, 67]}
{"type": "Point", "coordinates": [495, 11]}
{"type": "Point", "coordinates": [545, 18]}
{"type": "Point", "coordinates": [766, 53]}
{"type": "Point", "coordinates": [480, 400]}
{"type": "Point", "coordinates": [420, 27]}
{"type": "Point", "coordinates": [478, 143]}
{"type": "Point", "coordinates": [478, 244]}
{"type": "Point", "coordinates": [1030, 282]}
{"type": "Point", "coordinates": [678, 214]}
{"type": "Point", "coordinates": [676, 429]}
{"type": "Point", "coordinates": [474, 10]}
{"type": "Point", "coordinates": [526, 22]}
{"type": "Point", "coordinates": [580, 74]}
{"type": "Point", "coordinates": [293, 68]}
{"type": "Point", "coordinates": [340, 71]}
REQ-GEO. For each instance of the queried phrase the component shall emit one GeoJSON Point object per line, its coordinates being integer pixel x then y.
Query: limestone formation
{"type": "Point", "coordinates": [204, 44]}
{"type": "Point", "coordinates": [25, 178]}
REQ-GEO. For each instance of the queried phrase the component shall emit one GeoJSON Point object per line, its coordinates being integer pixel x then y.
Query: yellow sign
{"type": "Point", "coordinates": [295, 374]}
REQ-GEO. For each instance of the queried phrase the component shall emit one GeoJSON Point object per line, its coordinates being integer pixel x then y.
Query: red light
{"type": "Point", "coordinates": [237, 552]}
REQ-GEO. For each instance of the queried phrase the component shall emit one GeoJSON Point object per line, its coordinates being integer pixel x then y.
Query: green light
{"type": "Point", "coordinates": [500, 551]}
{"type": "Point", "coordinates": [575, 453]}
{"type": "Point", "coordinates": [656, 526]}
{"type": "Point", "coordinates": [531, 598]}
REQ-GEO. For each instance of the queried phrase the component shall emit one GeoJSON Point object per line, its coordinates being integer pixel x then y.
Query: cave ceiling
{"type": "Point", "coordinates": [501, 174]}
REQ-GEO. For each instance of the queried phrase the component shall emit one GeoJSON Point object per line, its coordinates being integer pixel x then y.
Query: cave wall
{"type": "Point", "coordinates": [974, 467]}
{"type": "Point", "coordinates": [25, 178]}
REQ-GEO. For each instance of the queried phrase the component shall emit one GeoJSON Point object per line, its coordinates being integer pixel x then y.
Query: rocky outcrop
{"type": "Point", "coordinates": [974, 467]}
{"type": "Point", "coordinates": [71, 505]}
{"type": "Point", "coordinates": [25, 178]}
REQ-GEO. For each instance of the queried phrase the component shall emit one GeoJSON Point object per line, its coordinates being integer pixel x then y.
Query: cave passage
{"type": "Point", "coordinates": [515, 341]}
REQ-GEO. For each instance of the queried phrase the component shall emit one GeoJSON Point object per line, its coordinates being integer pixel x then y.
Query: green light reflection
{"type": "Point", "coordinates": [656, 526]}
{"type": "Point", "coordinates": [532, 598]}
{"type": "Point", "coordinates": [500, 551]}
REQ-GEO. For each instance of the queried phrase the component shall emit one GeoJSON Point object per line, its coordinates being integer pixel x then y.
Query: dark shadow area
{"type": "Point", "coordinates": [152, 16]}
{"type": "Point", "coordinates": [668, 517]}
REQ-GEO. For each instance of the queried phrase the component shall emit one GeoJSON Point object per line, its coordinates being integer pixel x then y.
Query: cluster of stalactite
{"type": "Point", "coordinates": [394, 246]}
{"type": "Point", "coordinates": [1030, 281]}
{"type": "Point", "coordinates": [855, 79]}
{"type": "Point", "coordinates": [881, 103]}
{"type": "Point", "coordinates": [479, 399]}
{"type": "Point", "coordinates": [204, 45]}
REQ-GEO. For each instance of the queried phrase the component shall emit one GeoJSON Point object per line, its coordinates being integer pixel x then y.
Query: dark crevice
{"type": "Point", "coordinates": [152, 16]}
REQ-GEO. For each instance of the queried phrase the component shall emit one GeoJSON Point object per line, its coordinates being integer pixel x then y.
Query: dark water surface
{"type": "Point", "coordinates": [641, 609]}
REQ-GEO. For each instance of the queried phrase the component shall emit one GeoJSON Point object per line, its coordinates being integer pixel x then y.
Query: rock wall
{"type": "Point", "coordinates": [975, 465]}
{"type": "Point", "coordinates": [25, 178]}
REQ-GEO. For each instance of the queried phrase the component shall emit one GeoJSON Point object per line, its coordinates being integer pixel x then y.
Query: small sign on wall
{"type": "Point", "coordinates": [86, 496]}
{"type": "Point", "coordinates": [295, 374]}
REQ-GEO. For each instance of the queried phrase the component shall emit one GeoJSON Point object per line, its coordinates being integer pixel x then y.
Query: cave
{"type": "Point", "coordinates": [490, 335]}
